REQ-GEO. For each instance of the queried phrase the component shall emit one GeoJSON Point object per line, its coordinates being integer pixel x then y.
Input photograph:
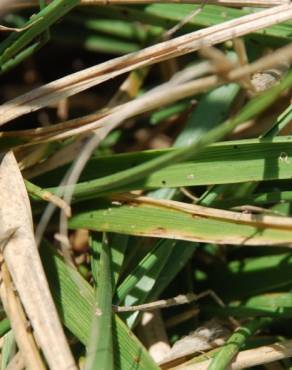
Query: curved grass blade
{"type": "Point", "coordinates": [222, 163]}
{"type": "Point", "coordinates": [112, 182]}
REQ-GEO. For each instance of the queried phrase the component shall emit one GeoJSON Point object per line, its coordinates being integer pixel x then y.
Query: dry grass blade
{"type": "Point", "coordinates": [170, 302]}
{"type": "Point", "coordinates": [24, 337]}
{"type": "Point", "coordinates": [80, 81]}
{"type": "Point", "coordinates": [22, 258]}
{"type": "Point", "coordinates": [249, 358]}
{"type": "Point", "coordinates": [153, 99]}
{"type": "Point", "coordinates": [220, 214]}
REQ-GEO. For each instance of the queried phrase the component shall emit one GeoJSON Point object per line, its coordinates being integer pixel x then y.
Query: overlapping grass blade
{"type": "Point", "coordinates": [156, 221]}
{"type": "Point", "coordinates": [181, 251]}
{"type": "Point", "coordinates": [110, 183]}
{"type": "Point", "coordinates": [74, 298]}
{"type": "Point", "coordinates": [38, 24]}
{"type": "Point", "coordinates": [133, 290]}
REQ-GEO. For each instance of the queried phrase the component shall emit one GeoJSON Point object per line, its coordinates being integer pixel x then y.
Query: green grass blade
{"type": "Point", "coordinates": [100, 347]}
{"type": "Point", "coordinates": [237, 340]}
{"type": "Point", "coordinates": [39, 23]}
{"type": "Point", "coordinates": [146, 264]}
{"type": "Point", "coordinates": [155, 221]}
{"type": "Point", "coordinates": [211, 15]}
{"type": "Point", "coordinates": [109, 183]}
{"type": "Point", "coordinates": [261, 199]}
{"type": "Point", "coordinates": [118, 244]}
{"type": "Point", "coordinates": [7, 350]}
{"type": "Point", "coordinates": [168, 15]}
{"type": "Point", "coordinates": [92, 41]}
{"type": "Point", "coordinates": [284, 119]}
{"type": "Point", "coordinates": [252, 276]}
{"type": "Point", "coordinates": [4, 326]}
{"type": "Point", "coordinates": [74, 298]}
{"type": "Point", "coordinates": [173, 260]}
{"type": "Point", "coordinates": [133, 290]}
{"type": "Point", "coordinates": [222, 163]}
{"type": "Point", "coordinates": [273, 305]}
{"type": "Point", "coordinates": [201, 121]}
{"type": "Point", "coordinates": [21, 56]}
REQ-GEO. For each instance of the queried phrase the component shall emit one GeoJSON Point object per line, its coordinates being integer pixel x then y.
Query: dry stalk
{"type": "Point", "coordinates": [19, 324]}
{"type": "Point", "coordinates": [249, 358]}
{"type": "Point", "coordinates": [170, 302]}
{"type": "Point", "coordinates": [80, 81]}
{"type": "Point", "coordinates": [156, 96]}
{"type": "Point", "coordinates": [23, 261]}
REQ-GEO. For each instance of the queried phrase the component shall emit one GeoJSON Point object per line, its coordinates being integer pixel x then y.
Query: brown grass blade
{"type": "Point", "coordinates": [23, 261]}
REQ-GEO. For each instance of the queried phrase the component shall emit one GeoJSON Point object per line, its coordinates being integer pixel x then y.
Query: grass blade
{"type": "Point", "coordinates": [100, 347]}
{"type": "Point", "coordinates": [237, 340]}
{"type": "Point", "coordinates": [74, 298]}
